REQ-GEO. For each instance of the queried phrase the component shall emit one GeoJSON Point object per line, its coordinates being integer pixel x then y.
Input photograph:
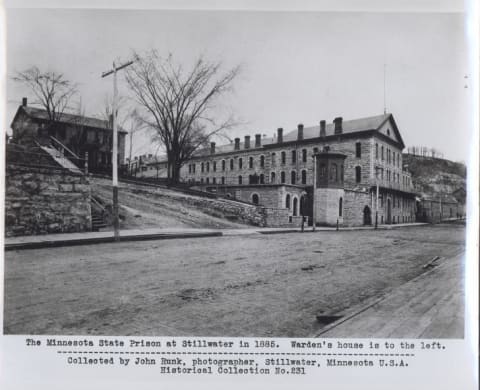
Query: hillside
{"type": "Point", "coordinates": [434, 175]}
{"type": "Point", "coordinates": [148, 207]}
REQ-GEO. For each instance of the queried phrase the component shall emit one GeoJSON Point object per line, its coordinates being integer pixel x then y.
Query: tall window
{"type": "Point", "coordinates": [282, 177]}
{"type": "Point", "coordinates": [295, 206]}
{"type": "Point", "coordinates": [304, 176]}
{"type": "Point", "coordinates": [231, 164]}
{"type": "Point", "coordinates": [304, 155]}
{"type": "Point", "coordinates": [333, 172]}
{"type": "Point", "coordinates": [250, 162]}
{"type": "Point", "coordinates": [240, 179]}
{"type": "Point", "coordinates": [287, 201]}
{"type": "Point", "coordinates": [274, 159]}
{"type": "Point", "coordinates": [284, 157]}
{"type": "Point", "coordinates": [223, 179]}
{"type": "Point", "coordinates": [189, 168]}
{"type": "Point", "coordinates": [223, 165]}
{"type": "Point", "coordinates": [262, 161]}
{"type": "Point", "coordinates": [376, 151]}
{"type": "Point", "coordinates": [272, 177]}
{"type": "Point", "coordinates": [323, 170]}
{"type": "Point", "coordinates": [193, 167]}
{"type": "Point", "coordinates": [214, 180]}
{"type": "Point", "coordinates": [208, 180]}
{"type": "Point", "coordinates": [358, 174]}
{"type": "Point", "coordinates": [340, 207]}
{"type": "Point", "coordinates": [294, 156]}
{"type": "Point", "coordinates": [358, 150]}
{"type": "Point", "coordinates": [255, 199]}
{"type": "Point", "coordinates": [208, 167]}
{"type": "Point", "coordinates": [341, 173]}
{"type": "Point", "coordinates": [293, 177]}
{"type": "Point", "coordinates": [383, 155]}
{"type": "Point", "coordinates": [214, 166]}
{"type": "Point", "coordinates": [262, 178]}
{"type": "Point", "coordinates": [202, 167]}
{"type": "Point", "coordinates": [240, 163]}
{"type": "Point", "coordinates": [394, 159]}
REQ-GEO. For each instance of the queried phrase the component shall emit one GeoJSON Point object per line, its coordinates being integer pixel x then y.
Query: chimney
{"type": "Point", "coordinates": [279, 135]}
{"type": "Point", "coordinates": [212, 147]}
{"type": "Point", "coordinates": [258, 140]}
{"type": "Point", "coordinates": [323, 128]}
{"type": "Point", "coordinates": [338, 125]}
{"type": "Point", "coordinates": [300, 132]}
{"type": "Point", "coordinates": [24, 102]}
{"type": "Point", "coordinates": [237, 144]}
{"type": "Point", "coordinates": [247, 142]}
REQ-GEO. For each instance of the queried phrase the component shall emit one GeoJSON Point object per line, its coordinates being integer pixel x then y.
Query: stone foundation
{"type": "Point", "coordinates": [43, 200]}
{"type": "Point", "coordinates": [327, 206]}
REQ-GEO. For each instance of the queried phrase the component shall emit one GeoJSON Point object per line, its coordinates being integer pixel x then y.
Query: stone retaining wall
{"type": "Point", "coordinates": [43, 200]}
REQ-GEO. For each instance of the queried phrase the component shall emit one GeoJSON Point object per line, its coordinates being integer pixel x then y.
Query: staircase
{"type": "Point", "coordinates": [58, 152]}
{"type": "Point", "coordinates": [98, 214]}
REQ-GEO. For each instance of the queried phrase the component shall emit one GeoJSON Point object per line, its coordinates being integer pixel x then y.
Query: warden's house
{"type": "Point", "coordinates": [348, 172]}
{"type": "Point", "coordinates": [77, 136]}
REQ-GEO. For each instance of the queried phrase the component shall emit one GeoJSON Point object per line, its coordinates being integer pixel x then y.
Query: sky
{"type": "Point", "coordinates": [297, 67]}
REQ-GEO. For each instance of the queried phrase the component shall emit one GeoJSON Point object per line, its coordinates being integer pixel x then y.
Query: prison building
{"type": "Point", "coordinates": [359, 175]}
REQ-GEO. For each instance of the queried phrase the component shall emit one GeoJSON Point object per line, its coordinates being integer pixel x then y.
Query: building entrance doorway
{"type": "Point", "coordinates": [367, 216]}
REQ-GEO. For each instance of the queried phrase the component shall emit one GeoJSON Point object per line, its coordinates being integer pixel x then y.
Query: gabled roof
{"type": "Point", "coordinates": [348, 127]}
{"type": "Point", "coordinates": [372, 123]}
{"type": "Point", "coordinates": [41, 114]}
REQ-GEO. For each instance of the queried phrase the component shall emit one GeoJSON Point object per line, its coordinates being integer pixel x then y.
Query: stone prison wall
{"type": "Point", "coordinates": [42, 200]}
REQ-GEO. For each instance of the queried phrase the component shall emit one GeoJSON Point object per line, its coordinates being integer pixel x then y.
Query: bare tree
{"type": "Point", "coordinates": [52, 91]}
{"type": "Point", "coordinates": [179, 104]}
{"type": "Point", "coordinates": [107, 109]}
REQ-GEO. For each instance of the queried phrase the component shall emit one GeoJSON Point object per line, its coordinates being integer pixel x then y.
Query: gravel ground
{"type": "Point", "coordinates": [258, 285]}
{"type": "Point", "coordinates": [149, 207]}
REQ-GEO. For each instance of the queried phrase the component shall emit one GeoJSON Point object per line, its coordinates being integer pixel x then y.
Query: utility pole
{"type": "Point", "coordinates": [130, 154]}
{"type": "Point", "coordinates": [314, 216]}
{"type": "Point", "coordinates": [115, 145]}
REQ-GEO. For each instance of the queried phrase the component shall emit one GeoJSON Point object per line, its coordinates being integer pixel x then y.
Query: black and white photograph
{"type": "Point", "coordinates": [258, 174]}
{"type": "Point", "coordinates": [275, 194]}
{"type": "Point", "coordinates": [280, 174]}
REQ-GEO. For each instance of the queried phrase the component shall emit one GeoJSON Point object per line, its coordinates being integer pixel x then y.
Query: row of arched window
{"type": "Point", "coordinates": [293, 177]}
{"type": "Point", "coordinates": [302, 157]}
{"type": "Point", "coordinates": [292, 204]}
{"type": "Point", "coordinates": [206, 166]}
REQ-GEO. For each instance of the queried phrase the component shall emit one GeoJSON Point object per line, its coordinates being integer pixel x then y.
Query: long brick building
{"type": "Point", "coordinates": [359, 174]}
